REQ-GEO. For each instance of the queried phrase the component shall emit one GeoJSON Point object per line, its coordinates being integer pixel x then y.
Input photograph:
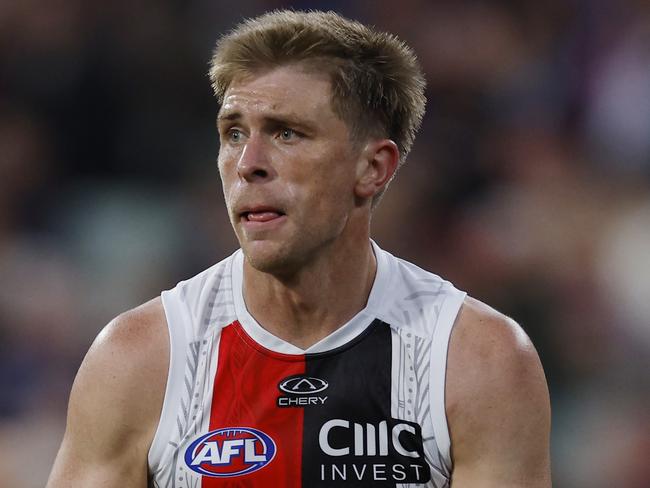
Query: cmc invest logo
{"type": "Point", "coordinates": [230, 451]}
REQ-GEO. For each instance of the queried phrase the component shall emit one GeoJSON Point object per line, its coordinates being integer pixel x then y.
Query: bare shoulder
{"type": "Point", "coordinates": [128, 361]}
{"type": "Point", "coordinates": [497, 401]}
{"type": "Point", "coordinates": [137, 337]}
{"type": "Point", "coordinates": [115, 403]}
{"type": "Point", "coordinates": [484, 343]}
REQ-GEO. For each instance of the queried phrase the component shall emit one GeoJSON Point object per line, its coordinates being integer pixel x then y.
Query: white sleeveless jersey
{"type": "Point", "coordinates": [364, 407]}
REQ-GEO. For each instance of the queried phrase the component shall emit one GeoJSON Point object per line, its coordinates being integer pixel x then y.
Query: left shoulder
{"type": "Point", "coordinates": [489, 340]}
{"type": "Point", "coordinates": [497, 400]}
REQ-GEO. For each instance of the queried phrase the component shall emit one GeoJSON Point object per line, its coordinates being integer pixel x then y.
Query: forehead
{"type": "Point", "coordinates": [286, 89]}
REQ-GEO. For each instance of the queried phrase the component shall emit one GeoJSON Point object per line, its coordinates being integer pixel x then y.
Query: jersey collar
{"type": "Point", "coordinates": [344, 334]}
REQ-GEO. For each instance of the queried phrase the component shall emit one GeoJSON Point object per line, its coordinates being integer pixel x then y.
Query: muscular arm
{"type": "Point", "coordinates": [115, 404]}
{"type": "Point", "coordinates": [497, 404]}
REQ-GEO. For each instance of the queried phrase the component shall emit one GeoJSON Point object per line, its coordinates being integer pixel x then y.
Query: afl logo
{"type": "Point", "coordinates": [302, 385]}
{"type": "Point", "coordinates": [230, 451]}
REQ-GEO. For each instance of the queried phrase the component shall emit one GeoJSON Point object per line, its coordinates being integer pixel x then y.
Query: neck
{"type": "Point", "coordinates": [313, 302]}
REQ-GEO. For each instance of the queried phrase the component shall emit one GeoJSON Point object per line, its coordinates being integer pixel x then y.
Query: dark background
{"type": "Point", "coordinates": [529, 187]}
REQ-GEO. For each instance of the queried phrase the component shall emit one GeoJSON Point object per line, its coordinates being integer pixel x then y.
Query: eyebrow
{"type": "Point", "coordinates": [228, 116]}
{"type": "Point", "coordinates": [275, 119]}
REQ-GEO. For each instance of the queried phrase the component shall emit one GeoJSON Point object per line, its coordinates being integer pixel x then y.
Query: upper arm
{"type": "Point", "coordinates": [115, 404]}
{"type": "Point", "coordinates": [497, 403]}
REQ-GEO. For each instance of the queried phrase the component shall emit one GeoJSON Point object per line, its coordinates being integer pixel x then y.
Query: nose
{"type": "Point", "coordinates": [254, 165]}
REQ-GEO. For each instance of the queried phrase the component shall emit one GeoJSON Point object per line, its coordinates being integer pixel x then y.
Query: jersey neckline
{"type": "Point", "coordinates": [341, 336]}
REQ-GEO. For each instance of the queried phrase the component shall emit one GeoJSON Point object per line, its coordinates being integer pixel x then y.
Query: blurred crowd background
{"type": "Point", "coordinates": [529, 187]}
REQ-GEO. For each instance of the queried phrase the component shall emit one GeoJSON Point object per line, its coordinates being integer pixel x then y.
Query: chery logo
{"type": "Point", "coordinates": [302, 385]}
{"type": "Point", "coordinates": [301, 391]}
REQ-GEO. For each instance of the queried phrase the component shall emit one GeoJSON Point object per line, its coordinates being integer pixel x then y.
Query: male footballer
{"type": "Point", "coordinates": [310, 357]}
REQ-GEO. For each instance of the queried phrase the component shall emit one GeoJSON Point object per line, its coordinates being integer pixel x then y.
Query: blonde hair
{"type": "Point", "coordinates": [377, 83]}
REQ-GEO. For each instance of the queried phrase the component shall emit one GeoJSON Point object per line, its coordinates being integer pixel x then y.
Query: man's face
{"type": "Point", "coordinates": [287, 166]}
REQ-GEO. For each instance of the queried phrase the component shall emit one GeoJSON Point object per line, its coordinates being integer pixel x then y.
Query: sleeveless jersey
{"type": "Point", "coordinates": [364, 407]}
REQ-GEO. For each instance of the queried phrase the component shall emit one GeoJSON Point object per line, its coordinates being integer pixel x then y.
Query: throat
{"type": "Point", "coordinates": [311, 306]}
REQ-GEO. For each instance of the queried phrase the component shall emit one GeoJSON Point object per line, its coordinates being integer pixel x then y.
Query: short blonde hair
{"type": "Point", "coordinates": [377, 83]}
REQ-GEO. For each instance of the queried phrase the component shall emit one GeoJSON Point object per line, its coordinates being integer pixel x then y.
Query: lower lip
{"type": "Point", "coordinates": [266, 225]}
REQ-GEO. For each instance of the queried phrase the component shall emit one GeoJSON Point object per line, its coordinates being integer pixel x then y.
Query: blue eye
{"type": "Point", "coordinates": [287, 134]}
{"type": "Point", "coordinates": [235, 135]}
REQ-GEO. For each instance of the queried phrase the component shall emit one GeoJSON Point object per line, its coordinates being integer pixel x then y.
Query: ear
{"type": "Point", "coordinates": [376, 166]}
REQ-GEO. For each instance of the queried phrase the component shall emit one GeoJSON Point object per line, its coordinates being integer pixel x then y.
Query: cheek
{"type": "Point", "coordinates": [337, 187]}
{"type": "Point", "coordinates": [225, 169]}
{"type": "Point", "coordinates": [222, 164]}
{"type": "Point", "coordinates": [227, 188]}
{"type": "Point", "coordinates": [227, 158]}
{"type": "Point", "coordinates": [330, 202]}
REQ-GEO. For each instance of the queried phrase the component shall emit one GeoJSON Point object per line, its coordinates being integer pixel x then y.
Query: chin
{"type": "Point", "coordinates": [283, 256]}
{"type": "Point", "coordinates": [269, 259]}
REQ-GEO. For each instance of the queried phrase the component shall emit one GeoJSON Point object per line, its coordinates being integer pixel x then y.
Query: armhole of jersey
{"type": "Point", "coordinates": [176, 325]}
{"type": "Point", "coordinates": [439, 350]}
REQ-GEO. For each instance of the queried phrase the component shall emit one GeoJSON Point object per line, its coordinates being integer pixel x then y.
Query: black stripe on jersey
{"type": "Point", "coordinates": [349, 436]}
